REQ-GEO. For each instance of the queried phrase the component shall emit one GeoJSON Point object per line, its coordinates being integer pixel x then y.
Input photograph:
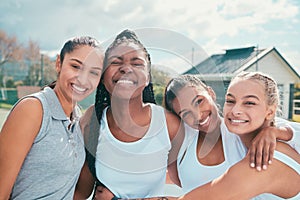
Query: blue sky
{"type": "Point", "coordinates": [212, 25]}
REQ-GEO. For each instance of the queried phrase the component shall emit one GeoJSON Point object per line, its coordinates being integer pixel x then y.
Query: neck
{"type": "Point", "coordinates": [125, 109]}
{"type": "Point", "coordinates": [130, 116]}
{"type": "Point", "coordinates": [67, 105]}
{"type": "Point", "coordinates": [209, 140]}
{"type": "Point", "coordinates": [248, 137]}
{"type": "Point", "coordinates": [210, 135]}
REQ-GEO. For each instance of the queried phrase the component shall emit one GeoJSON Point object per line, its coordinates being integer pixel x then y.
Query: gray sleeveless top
{"type": "Point", "coordinates": [52, 166]}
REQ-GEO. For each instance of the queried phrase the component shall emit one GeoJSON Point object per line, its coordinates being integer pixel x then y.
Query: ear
{"type": "Point", "coordinates": [212, 93]}
{"type": "Point", "coordinates": [57, 64]}
{"type": "Point", "coordinates": [271, 112]}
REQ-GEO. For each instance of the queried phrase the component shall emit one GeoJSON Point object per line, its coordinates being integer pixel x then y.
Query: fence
{"type": "Point", "coordinates": [296, 110]}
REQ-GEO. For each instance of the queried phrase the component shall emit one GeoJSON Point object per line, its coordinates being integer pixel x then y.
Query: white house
{"type": "Point", "coordinates": [218, 70]}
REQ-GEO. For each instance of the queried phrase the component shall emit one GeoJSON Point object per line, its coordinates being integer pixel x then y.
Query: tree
{"type": "Point", "coordinates": [160, 80]}
{"type": "Point", "coordinates": [10, 50]}
{"type": "Point", "coordinates": [159, 77]}
{"type": "Point", "coordinates": [49, 70]}
{"type": "Point", "coordinates": [32, 56]}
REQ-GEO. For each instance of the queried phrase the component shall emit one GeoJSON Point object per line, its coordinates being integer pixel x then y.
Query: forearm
{"type": "Point", "coordinates": [152, 198]}
{"type": "Point", "coordinates": [291, 135]}
{"type": "Point", "coordinates": [85, 184]}
{"type": "Point", "coordinates": [284, 133]}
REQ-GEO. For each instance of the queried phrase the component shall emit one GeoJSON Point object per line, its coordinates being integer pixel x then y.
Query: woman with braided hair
{"type": "Point", "coordinates": [134, 136]}
{"type": "Point", "coordinates": [246, 112]}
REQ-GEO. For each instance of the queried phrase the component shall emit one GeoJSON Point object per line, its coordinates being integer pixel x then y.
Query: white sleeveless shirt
{"type": "Point", "coordinates": [134, 169]}
{"type": "Point", "coordinates": [191, 172]}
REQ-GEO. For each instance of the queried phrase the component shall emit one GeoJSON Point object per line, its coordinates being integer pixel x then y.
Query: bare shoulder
{"type": "Point", "coordinates": [174, 124]}
{"type": "Point", "coordinates": [27, 110]}
{"type": "Point", "coordinates": [89, 122]}
{"type": "Point", "coordinates": [87, 115]}
{"type": "Point", "coordinates": [288, 150]}
{"type": "Point", "coordinates": [28, 115]}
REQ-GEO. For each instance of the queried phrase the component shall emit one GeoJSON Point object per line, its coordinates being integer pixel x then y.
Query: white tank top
{"type": "Point", "coordinates": [191, 172]}
{"type": "Point", "coordinates": [134, 169]}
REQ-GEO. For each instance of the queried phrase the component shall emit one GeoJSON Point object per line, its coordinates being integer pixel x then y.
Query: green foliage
{"type": "Point", "coordinates": [159, 93]}
{"type": "Point", "coordinates": [10, 83]}
{"type": "Point", "coordinates": [159, 77]}
{"type": "Point", "coordinates": [160, 80]}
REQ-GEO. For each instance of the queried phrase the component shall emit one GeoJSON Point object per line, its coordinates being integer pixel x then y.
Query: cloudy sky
{"type": "Point", "coordinates": [170, 27]}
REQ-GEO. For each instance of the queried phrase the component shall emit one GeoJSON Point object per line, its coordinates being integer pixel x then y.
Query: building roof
{"type": "Point", "coordinates": [233, 61]}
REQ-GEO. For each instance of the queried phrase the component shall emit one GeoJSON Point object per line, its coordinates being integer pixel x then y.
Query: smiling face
{"type": "Point", "coordinates": [196, 107]}
{"type": "Point", "coordinates": [246, 108]}
{"type": "Point", "coordinates": [79, 73]}
{"type": "Point", "coordinates": [127, 72]}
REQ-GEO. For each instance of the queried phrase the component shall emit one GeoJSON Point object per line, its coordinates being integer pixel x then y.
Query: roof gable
{"type": "Point", "coordinates": [229, 62]}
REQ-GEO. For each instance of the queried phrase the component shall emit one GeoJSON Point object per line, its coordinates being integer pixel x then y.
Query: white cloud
{"type": "Point", "coordinates": [215, 24]}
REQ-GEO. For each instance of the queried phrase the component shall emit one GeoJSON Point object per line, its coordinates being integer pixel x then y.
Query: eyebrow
{"type": "Point", "coordinates": [113, 57]}
{"type": "Point", "coordinates": [193, 100]}
{"type": "Point", "coordinates": [245, 97]}
{"type": "Point", "coordinates": [80, 62]}
{"type": "Point", "coordinates": [137, 58]}
{"type": "Point", "coordinates": [74, 59]}
{"type": "Point", "coordinates": [121, 58]}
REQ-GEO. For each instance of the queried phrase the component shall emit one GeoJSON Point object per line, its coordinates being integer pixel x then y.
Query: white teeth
{"type": "Point", "coordinates": [125, 82]}
{"type": "Point", "coordinates": [238, 121]}
{"type": "Point", "coordinates": [206, 120]}
{"type": "Point", "coordinates": [80, 89]}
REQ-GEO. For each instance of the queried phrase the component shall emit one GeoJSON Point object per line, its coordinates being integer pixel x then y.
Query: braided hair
{"type": "Point", "coordinates": [102, 95]}
{"type": "Point", "coordinates": [177, 84]}
{"type": "Point", "coordinates": [103, 98]}
{"type": "Point", "coordinates": [269, 85]}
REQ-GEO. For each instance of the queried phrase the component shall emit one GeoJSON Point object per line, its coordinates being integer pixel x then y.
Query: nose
{"type": "Point", "coordinates": [83, 76]}
{"type": "Point", "coordinates": [197, 114]}
{"type": "Point", "coordinates": [236, 110]}
{"type": "Point", "coordinates": [125, 68]}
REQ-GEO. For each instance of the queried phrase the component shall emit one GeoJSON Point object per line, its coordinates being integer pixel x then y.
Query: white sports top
{"type": "Point", "coordinates": [191, 172]}
{"type": "Point", "coordinates": [134, 169]}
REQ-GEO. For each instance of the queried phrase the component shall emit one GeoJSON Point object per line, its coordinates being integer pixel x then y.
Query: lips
{"type": "Point", "coordinates": [238, 121]}
{"type": "Point", "coordinates": [78, 88]}
{"type": "Point", "coordinates": [125, 81]}
{"type": "Point", "coordinates": [204, 121]}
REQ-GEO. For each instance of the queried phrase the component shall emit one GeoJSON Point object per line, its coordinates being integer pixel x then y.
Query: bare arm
{"type": "Point", "coordinates": [86, 181]}
{"type": "Point", "coordinates": [16, 138]}
{"type": "Point", "coordinates": [85, 184]}
{"type": "Point", "coordinates": [176, 132]}
{"type": "Point", "coordinates": [243, 182]}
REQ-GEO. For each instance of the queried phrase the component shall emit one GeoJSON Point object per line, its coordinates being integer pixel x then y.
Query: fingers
{"type": "Point", "coordinates": [252, 153]}
{"type": "Point", "coordinates": [271, 152]}
{"type": "Point", "coordinates": [265, 158]}
{"type": "Point", "coordinates": [261, 155]}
